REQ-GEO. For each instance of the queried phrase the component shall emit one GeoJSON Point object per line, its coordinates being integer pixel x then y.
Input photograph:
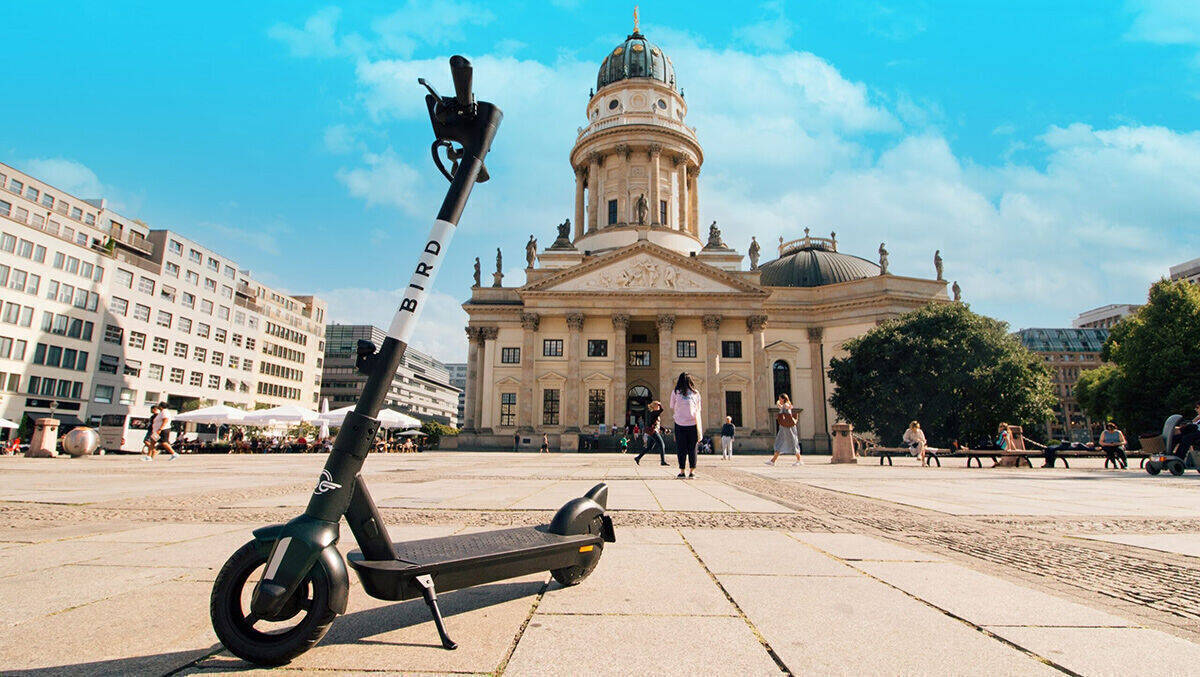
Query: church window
{"type": "Point", "coordinates": [508, 409]}
{"type": "Point", "coordinates": [552, 347]}
{"type": "Point", "coordinates": [662, 104]}
{"type": "Point", "coordinates": [639, 358]}
{"type": "Point", "coordinates": [782, 377]}
{"type": "Point", "coordinates": [510, 356]}
{"type": "Point", "coordinates": [662, 212]}
{"type": "Point", "coordinates": [731, 349]}
{"type": "Point", "coordinates": [612, 212]}
{"type": "Point", "coordinates": [550, 406]}
{"type": "Point", "coordinates": [733, 406]}
{"type": "Point", "coordinates": [597, 348]}
{"type": "Point", "coordinates": [595, 406]}
{"type": "Point", "coordinates": [612, 105]}
{"type": "Point", "coordinates": [685, 349]}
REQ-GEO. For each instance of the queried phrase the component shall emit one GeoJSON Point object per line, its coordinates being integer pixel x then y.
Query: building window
{"type": "Point", "coordinates": [733, 406]}
{"type": "Point", "coordinates": [185, 325]}
{"type": "Point", "coordinates": [595, 406]}
{"type": "Point", "coordinates": [597, 348]}
{"type": "Point", "coordinates": [196, 379]}
{"type": "Point", "coordinates": [159, 345]}
{"type": "Point", "coordinates": [137, 339]}
{"type": "Point", "coordinates": [176, 375]}
{"type": "Point", "coordinates": [118, 306]}
{"type": "Point", "coordinates": [508, 409]}
{"type": "Point", "coordinates": [662, 212]}
{"type": "Point", "coordinates": [510, 356]}
{"type": "Point", "coordinates": [113, 334]}
{"type": "Point", "coordinates": [141, 312]}
{"type": "Point", "coordinates": [612, 212]}
{"type": "Point", "coordinates": [550, 406]}
{"type": "Point", "coordinates": [163, 319]}
{"type": "Point", "coordinates": [181, 350]}
{"type": "Point", "coordinates": [639, 358]}
{"type": "Point", "coordinates": [176, 247]}
{"type": "Point", "coordinates": [155, 372]}
{"type": "Point", "coordinates": [104, 394]}
{"type": "Point", "coordinates": [552, 347]}
{"type": "Point", "coordinates": [108, 364]}
{"type": "Point", "coordinates": [731, 349]}
{"type": "Point", "coordinates": [685, 349]}
{"type": "Point", "coordinates": [146, 285]}
{"type": "Point", "coordinates": [128, 396]}
{"type": "Point", "coordinates": [782, 377]}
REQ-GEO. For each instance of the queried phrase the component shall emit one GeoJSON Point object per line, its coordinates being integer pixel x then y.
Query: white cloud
{"type": "Point", "coordinates": [771, 32]}
{"type": "Point", "coordinates": [316, 37]}
{"type": "Point", "coordinates": [439, 331]}
{"type": "Point", "coordinates": [339, 139]}
{"type": "Point", "coordinates": [432, 22]}
{"type": "Point", "coordinates": [264, 239]}
{"type": "Point", "coordinates": [68, 175]}
{"type": "Point", "coordinates": [385, 180]}
{"type": "Point", "coordinates": [1172, 22]}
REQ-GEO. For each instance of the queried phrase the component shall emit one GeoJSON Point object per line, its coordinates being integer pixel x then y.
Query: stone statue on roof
{"type": "Point", "coordinates": [957, 291]}
{"type": "Point", "coordinates": [714, 237]}
{"type": "Point", "coordinates": [531, 251]}
{"type": "Point", "coordinates": [499, 274]}
{"type": "Point", "coordinates": [754, 253]}
{"type": "Point", "coordinates": [937, 263]}
{"type": "Point", "coordinates": [641, 207]}
{"type": "Point", "coordinates": [476, 271]}
{"type": "Point", "coordinates": [883, 259]}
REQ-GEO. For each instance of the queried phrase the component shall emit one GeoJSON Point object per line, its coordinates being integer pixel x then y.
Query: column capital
{"type": "Point", "coordinates": [530, 321]}
{"type": "Point", "coordinates": [712, 322]}
{"type": "Point", "coordinates": [677, 160]}
{"type": "Point", "coordinates": [693, 172]}
{"type": "Point", "coordinates": [595, 157]}
{"type": "Point", "coordinates": [580, 172]}
{"type": "Point", "coordinates": [623, 149]}
{"type": "Point", "coordinates": [655, 149]}
{"type": "Point", "coordinates": [665, 322]}
{"type": "Point", "coordinates": [474, 334]}
{"type": "Point", "coordinates": [816, 333]}
{"type": "Point", "coordinates": [488, 333]}
{"type": "Point", "coordinates": [756, 323]}
{"type": "Point", "coordinates": [575, 321]}
{"type": "Point", "coordinates": [620, 321]}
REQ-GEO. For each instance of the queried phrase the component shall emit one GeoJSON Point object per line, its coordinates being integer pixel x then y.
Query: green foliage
{"type": "Point", "coordinates": [960, 374]}
{"type": "Point", "coordinates": [1155, 355]}
{"type": "Point", "coordinates": [436, 431]}
{"type": "Point", "coordinates": [25, 430]}
{"type": "Point", "coordinates": [1096, 391]}
{"type": "Point", "coordinates": [308, 430]}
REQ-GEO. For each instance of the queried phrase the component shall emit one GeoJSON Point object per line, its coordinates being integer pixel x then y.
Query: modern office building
{"type": "Point", "coordinates": [1104, 317]}
{"type": "Point", "coordinates": [1188, 270]}
{"type": "Point", "coordinates": [1068, 353]}
{"type": "Point", "coordinates": [420, 388]}
{"type": "Point", "coordinates": [458, 379]}
{"type": "Point", "coordinates": [103, 314]}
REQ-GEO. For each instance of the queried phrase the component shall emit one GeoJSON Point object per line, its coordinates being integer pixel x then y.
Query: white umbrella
{"type": "Point", "coordinates": [410, 433]}
{"type": "Point", "coordinates": [389, 419]}
{"type": "Point", "coordinates": [5, 423]}
{"type": "Point", "coordinates": [219, 414]}
{"type": "Point", "coordinates": [286, 413]}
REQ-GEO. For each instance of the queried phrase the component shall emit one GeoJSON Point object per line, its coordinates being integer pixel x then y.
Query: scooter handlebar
{"type": "Point", "coordinates": [461, 72]}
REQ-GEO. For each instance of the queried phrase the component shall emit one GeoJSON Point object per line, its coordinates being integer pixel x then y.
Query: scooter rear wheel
{"type": "Point", "coordinates": [573, 575]}
{"type": "Point", "coordinates": [263, 641]}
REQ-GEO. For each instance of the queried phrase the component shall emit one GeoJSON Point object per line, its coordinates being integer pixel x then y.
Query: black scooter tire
{"type": "Point", "coordinates": [1176, 468]}
{"type": "Point", "coordinates": [574, 574]}
{"type": "Point", "coordinates": [242, 639]}
{"type": "Point", "coordinates": [1153, 468]}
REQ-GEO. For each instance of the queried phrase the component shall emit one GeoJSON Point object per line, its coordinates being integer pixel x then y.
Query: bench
{"type": "Point", "coordinates": [977, 455]}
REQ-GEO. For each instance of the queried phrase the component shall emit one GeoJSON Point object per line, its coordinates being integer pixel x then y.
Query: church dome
{"type": "Point", "coordinates": [637, 57]}
{"type": "Point", "coordinates": [814, 262]}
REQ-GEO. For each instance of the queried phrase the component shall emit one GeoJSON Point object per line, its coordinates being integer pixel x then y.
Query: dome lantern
{"type": "Point", "coordinates": [637, 57]}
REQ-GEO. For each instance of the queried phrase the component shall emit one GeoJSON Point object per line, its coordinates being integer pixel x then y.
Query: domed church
{"type": "Point", "coordinates": [633, 291]}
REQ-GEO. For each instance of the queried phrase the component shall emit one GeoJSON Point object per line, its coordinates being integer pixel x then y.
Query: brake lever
{"type": "Point", "coordinates": [453, 154]}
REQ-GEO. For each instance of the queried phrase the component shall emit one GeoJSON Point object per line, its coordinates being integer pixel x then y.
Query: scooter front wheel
{"type": "Point", "coordinates": [268, 641]}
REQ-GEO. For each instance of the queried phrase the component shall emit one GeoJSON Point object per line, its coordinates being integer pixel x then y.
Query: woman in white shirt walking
{"type": "Point", "coordinates": [685, 409]}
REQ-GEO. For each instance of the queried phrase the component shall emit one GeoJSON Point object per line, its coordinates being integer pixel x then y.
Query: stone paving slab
{"type": "Point", "coordinates": [641, 579]}
{"type": "Point", "coordinates": [1108, 651]}
{"type": "Point", "coordinates": [160, 533]}
{"type": "Point", "coordinates": [757, 551]}
{"type": "Point", "coordinates": [48, 555]}
{"type": "Point", "coordinates": [857, 626]}
{"type": "Point", "coordinates": [983, 599]}
{"type": "Point", "coordinates": [862, 547]}
{"type": "Point", "coordinates": [638, 645]}
{"type": "Point", "coordinates": [33, 594]}
{"type": "Point", "coordinates": [1180, 544]}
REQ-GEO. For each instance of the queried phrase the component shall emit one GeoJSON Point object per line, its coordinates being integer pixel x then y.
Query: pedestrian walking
{"type": "Point", "coordinates": [1112, 441]}
{"type": "Point", "coordinates": [727, 433]}
{"type": "Point", "coordinates": [516, 441]}
{"type": "Point", "coordinates": [787, 440]}
{"type": "Point", "coordinates": [148, 450]}
{"type": "Point", "coordinates": [653, 434]}
{"type": "Point", "coordinates": [685, 409]}
{"type": "Point", "coordinates": [914, 438]}
{"type": "Point", "coordinates": [545, 443]}
{"type": "Point", "coordinates": [160, 432]}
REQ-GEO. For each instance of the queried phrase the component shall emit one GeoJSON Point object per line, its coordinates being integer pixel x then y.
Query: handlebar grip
{"type": "Point", "coordinates": [460, 70]}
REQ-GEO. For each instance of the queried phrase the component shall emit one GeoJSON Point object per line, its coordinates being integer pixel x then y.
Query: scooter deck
{"type": "Point", "coordinates": [464, 560]}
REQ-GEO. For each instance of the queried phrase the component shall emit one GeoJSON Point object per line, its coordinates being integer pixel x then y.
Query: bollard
{"type": "Point", "coordinates": [44, 443]}
{"type": "Point", "coordinates": [843, 444]}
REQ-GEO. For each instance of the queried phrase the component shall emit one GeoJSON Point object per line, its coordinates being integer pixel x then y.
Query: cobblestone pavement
{"type": "Point", "coordinates": [755, 538]}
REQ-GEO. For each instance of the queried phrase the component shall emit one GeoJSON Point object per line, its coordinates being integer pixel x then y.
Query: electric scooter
{"type": "Point", "coordinates": [1167, 460]}
{"type": "Point", "coordinates": [303, 585]}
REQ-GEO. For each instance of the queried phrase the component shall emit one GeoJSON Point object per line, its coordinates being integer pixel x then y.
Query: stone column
{"type": "Point", "coordinates": [714, 415]}
{"type": "Point", "coordinates": [579, 182]}
{"type": "Point", "coordinates": [529, 322]}
{"type": "Point", "coordinates": [666, 358]}
{"type": "Point", "coordinates": [485, 334]}
{"type": "Point", "coordinates": [655, 198]}
{"type": "Point", "coordinates": [570, 405]}
{"type": "Point", "coordinates": [471, 393]}
{"type": "Point", "coordinates": [594, 191]}
{"type": "Point", "coordinates": [620, 323]}
{"type": "Point", "coordinates": [755, 324]}
{"type": "Point", "coordinates": [693, 202]}
{"type": "Point", "coordinates": [816, 358]}
{"type": "Point", "coordinates": [684, 218]}
{"type": "Point", "coordinates": [624, 203]}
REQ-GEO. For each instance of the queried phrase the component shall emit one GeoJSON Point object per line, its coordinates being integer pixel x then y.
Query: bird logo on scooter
{"type": "Point", "coordinates": [326, 483]}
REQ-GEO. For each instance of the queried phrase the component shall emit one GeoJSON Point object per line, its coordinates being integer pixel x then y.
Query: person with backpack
{"type": "Point", "coordinates": [787, 440]}
{"type": "Point", "coordinates": [727, 433]}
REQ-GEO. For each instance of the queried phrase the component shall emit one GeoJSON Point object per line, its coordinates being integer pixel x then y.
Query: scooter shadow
{"type": "Point", "coordinates": [358, 627]}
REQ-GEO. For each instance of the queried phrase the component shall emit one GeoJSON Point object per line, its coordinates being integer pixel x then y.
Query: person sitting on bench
{"type": "Point", "coordinates": [1112, 441]}
{"type": "Point", "coordinates": [1050, 454]}
{"type": "Point", "coordinates": [1188, 437]}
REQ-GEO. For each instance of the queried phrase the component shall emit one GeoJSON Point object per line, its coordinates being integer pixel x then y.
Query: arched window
{"type": "Point", "coordinates": [782, 377]}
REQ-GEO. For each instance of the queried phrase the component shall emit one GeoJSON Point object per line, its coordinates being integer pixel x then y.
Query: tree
{"type": "Point", "coordinates": [1096, 392]}
{"type": "Point", "coordinates": [960, 374]}
{"type": "Point", "coordinates": [1155, 356]}
{"type": "Point", "coordinates": [436, 431]}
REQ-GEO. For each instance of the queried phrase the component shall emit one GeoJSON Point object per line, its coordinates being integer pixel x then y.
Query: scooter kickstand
{"type": "Point", "coordinates": [427, 591]}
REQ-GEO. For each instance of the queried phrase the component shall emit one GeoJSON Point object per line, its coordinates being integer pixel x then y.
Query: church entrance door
{"type": "Point", "coordinates": [636, 405]}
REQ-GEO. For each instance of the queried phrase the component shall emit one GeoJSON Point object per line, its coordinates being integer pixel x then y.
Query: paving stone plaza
{"type": "Point", "coordinates": [748, 569]}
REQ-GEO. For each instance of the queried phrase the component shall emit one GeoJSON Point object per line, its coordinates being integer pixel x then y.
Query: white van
{"type": "Point", "coordinates": [123, 432]}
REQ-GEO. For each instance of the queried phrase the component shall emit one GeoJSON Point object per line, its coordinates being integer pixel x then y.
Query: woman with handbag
{"type": "Point", "coordinates": [787, 440]}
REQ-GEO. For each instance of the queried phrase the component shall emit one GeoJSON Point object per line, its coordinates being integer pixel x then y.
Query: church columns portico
{"type": "Point", "coordinates": [485, 334]}
{"type": "Point", "coordinates": [713, 418]}
{"type": "Point", "coordinates": [529, 323]}
{"type": "Point", "coordinates": [594, 189]}
{"type": "Point", "coordinates": [816, 358]}
{"type": "Point", "coordinates": [579, 185]}
{"type": "Point", "coordinates": [683, 202]}
{"type": "Point", "coordinates": [655, 167]}
{"type": "Point", "coordinates": [471, 394]}
{"type": "Point", "coordinates": [761, 368]}
{"type": "Point", "coordinates": [571, 408]}
{"type": "Point", "coordinates": [620, 323]}
{"type": "Point", "coordinates": [666, 382]}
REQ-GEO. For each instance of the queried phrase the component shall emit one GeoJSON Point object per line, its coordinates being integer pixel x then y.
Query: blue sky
{"type": "Point", "coordinates": [1050, 150]}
